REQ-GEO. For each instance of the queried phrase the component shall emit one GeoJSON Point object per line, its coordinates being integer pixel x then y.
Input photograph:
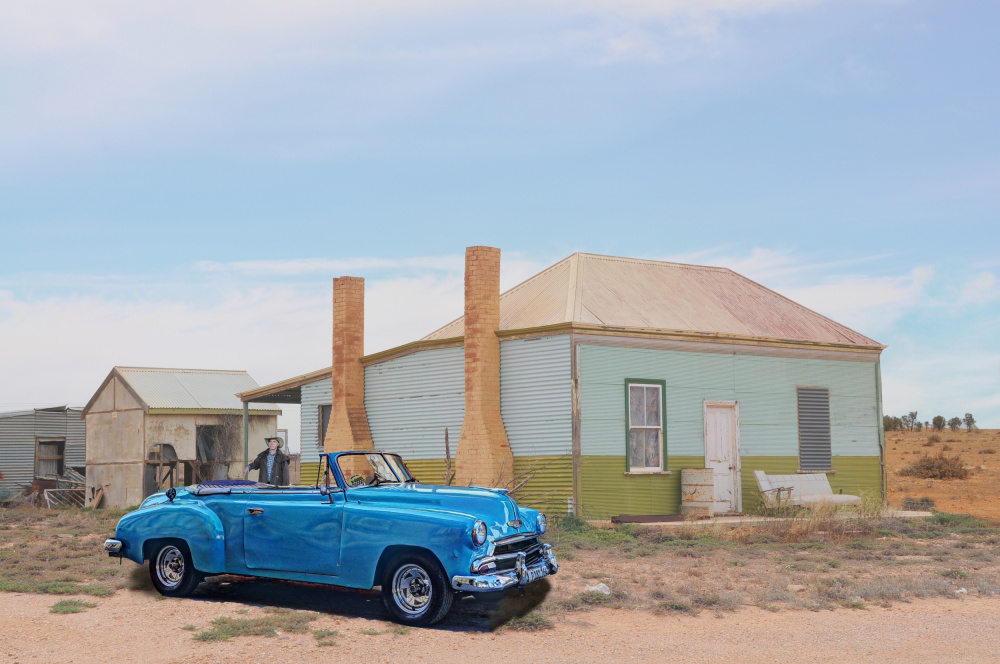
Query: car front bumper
{"type": "Point", "coordinates": [113, 547]}
{"type": "Point", "coordinates": [519, 577]}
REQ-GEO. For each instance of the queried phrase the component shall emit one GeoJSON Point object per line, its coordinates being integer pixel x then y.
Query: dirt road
{"type": "Point", "coordinates": [133, 626]}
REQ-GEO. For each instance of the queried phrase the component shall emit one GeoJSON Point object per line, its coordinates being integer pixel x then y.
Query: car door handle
{"type": "Point", "coordinates": [255, 510]}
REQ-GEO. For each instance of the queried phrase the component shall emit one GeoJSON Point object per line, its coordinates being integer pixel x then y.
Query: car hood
{"type": "Point", "coordinates": [493, 506]}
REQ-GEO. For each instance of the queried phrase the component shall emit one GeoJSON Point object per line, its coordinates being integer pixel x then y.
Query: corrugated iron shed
{"type": "Point", "coordinates": [590, 289]}
{"type": "Point", "coordinates": [19, 433]}
{"type": "Point", "coordinates": [185, 390]}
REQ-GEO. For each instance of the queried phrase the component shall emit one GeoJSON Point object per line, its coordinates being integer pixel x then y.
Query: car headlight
{"type": "Point", "coordinates": [479, 533]}
{"type": "Point", "coordinates": [541, 523]}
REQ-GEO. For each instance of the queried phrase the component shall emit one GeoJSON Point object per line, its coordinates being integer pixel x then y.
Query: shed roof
{"type": "Point", "coordinates": [591, 289]}
{"type": "Point", "coordinates": [187, 390]}
{"type": "Point", "coordinates": [32, 411]}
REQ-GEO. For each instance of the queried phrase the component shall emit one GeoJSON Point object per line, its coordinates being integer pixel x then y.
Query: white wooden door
{"type": "Point", "coordinates": [722, 453]}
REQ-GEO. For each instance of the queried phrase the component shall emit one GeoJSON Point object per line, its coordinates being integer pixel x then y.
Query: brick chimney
{"type": "Point", "coordinates": [483, 457]}
{"type": "Point", "coordinates": [348, 428]}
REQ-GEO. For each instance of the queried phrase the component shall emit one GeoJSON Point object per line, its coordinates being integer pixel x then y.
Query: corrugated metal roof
{"type": "Point", "coordinates": [195, 389]}
{"type": "Point", "coordinates": [17, 413]}
{"type": "Point", "coordinates": [634, 293]}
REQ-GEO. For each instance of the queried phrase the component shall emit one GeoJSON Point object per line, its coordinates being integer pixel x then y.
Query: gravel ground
{"type": "Point", "coordinates": [134, 626]}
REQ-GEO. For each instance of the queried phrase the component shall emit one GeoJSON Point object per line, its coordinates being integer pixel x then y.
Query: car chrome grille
{"type": "Point", "coordinates": [505, 551]}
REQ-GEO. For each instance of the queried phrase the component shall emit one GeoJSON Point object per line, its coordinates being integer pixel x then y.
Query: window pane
{"type": "Point", "coordinates": [48, 467]}
{"type": "Point", "coordinates": [652, 448]}
{"type": "Point", "coordinates": [652, 406]}
{"type": "Point", "coordinates": [48, 449]}
{"type": "Point", "coordinates": [636, 405]}
{"type": "Point", "coordinates": [637, 448]}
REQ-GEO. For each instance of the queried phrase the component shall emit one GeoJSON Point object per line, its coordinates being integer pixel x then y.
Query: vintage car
{"type": "Point", "coordinates": [367, 522]}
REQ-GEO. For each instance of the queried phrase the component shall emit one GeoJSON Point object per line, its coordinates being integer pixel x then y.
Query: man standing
{"type": "Point", "coordinates": [272, 463]}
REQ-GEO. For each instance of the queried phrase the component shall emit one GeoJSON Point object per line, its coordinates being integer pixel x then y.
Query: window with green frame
{"type": "Point", "coordinates": [646, 406]}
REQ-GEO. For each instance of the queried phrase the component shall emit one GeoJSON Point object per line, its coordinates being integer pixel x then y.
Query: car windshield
{"type": "Point", "coordinates": [402, 471]}
{"type": "Point", "coordinates": [361, 470]}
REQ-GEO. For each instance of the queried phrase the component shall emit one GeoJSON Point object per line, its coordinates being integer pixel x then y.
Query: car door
{"type": "Point", "coordinates": [294, 531]}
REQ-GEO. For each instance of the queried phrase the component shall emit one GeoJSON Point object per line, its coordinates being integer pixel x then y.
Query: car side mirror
{"type": "Point", "coordinates": [324, 489]}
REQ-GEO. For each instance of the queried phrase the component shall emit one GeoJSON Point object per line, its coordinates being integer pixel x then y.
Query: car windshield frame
{"type": "Point", "coordinates": [399, 467]}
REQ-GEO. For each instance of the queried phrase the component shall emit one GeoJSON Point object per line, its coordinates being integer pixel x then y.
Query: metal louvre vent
{"type": "Point", "coordinates": [814, 428]}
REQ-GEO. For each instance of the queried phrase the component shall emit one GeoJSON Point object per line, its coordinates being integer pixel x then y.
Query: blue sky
{"type": "Point", "coordinates": [179, 182]}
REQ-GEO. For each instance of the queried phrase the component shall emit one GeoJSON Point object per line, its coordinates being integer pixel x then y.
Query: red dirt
{"type": "Point", "coordinates": [978, 495]}
{"type": "Point", "coordinates": [135, 627]}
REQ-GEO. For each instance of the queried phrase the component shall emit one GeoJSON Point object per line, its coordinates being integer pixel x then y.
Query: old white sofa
{"type": "Point", "coordinates": [799, 490]}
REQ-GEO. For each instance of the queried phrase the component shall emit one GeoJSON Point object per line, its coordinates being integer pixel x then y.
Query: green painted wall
{"type": "Point", "coordinates": [548, 489]}
{"type": "Point", "coordinates": [764, 387]}
{"type": "Point", "coordinates": [307, 473]}
{"type": "Point", "coordinates": [606, 491]}
{"type": "Point", "coordinates": [856, 476]}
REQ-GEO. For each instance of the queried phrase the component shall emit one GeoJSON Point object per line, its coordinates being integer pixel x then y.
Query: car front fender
{"type": "Point", "coordinates": [371, 535]}
{"type": "Point", "coordinates": [193, 523]}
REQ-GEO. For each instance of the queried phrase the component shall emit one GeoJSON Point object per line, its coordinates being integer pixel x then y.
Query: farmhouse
{"type": "Point", "coordinates": [39, 443]}
{"type": "Point", "coordinates": [594, 382]}
{"type": "Point", "coordinates": [150, 429]}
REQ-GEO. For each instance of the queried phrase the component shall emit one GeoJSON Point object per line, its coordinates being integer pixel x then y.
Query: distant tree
{"type": "Point", "coordinates": [939, 422]}
{"type": "Point", "coordinates": [927, 425]}
{"type": "Point", "coordinates": [970, 422]}
{"type": "Point", "coordinates": [918, 425]}
{"type": "Point", "coordinates": [954, 423]}
{"type": "Point", "coordinates": [913, 419]}
{"type": "Point", "coordinates": [890, 423]}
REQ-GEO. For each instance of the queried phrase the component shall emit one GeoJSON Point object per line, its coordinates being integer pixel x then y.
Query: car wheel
{"type": "Point", "coordinates": [415, 590]}
{"type": "Point", "coordinates": [172, 571]}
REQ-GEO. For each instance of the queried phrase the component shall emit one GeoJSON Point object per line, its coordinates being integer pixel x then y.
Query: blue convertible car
{"type": "Point", "coordinates": [367, 523]}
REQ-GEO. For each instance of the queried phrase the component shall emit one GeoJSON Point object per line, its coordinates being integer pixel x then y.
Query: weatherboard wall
{"type": "Point", "coordinates": [314, 396]}
{"type": "Point", "coordinates": [764, 386]}
{"type": "Point", "coordinates": [411, 400]}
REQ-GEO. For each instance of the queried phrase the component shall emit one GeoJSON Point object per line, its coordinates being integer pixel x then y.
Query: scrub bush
{"type": "Point", "coordinates": [940, 467]}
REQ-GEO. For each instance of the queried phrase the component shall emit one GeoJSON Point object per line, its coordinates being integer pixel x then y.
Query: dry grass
{"type": "Point", "coordinates": [816, 559]}
{"type": "Point", "coordinates": [71, 606]}
{"type": "Point", "coordinates": [225, 628]}
{"type": "Point", "coordinates": [59, 552]}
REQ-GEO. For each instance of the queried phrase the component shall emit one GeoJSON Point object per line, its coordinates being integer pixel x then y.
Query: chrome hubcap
{"type": "Point", "coordinates": [170, 566]}
{"type": "Point", "coordinates": [411, 589]}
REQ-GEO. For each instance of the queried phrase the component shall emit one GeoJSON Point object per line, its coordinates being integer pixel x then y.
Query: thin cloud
{"type": "Point", "coordinates": [277, 328]}
{"type": "Point", "coordinates": [111, 75]}
{"type": "Point", "coordinates": [980, 289]}
{"type": "Point", "coordinates": [302, 266]}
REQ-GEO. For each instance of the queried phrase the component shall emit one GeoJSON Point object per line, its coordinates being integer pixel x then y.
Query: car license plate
{"type": "Point", "coordinates": [536, 573]}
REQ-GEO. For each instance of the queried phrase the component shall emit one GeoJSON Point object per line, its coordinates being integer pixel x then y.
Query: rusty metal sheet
{"type": "Point", "coordinates": [634, 293]}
